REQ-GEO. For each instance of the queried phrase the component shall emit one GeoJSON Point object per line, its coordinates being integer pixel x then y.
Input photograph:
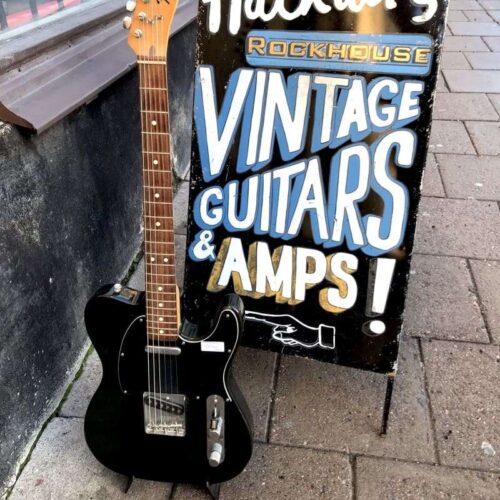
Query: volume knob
{"type": "Point", "coordinates": [215, 455]}
{"type": "Point", "coordinates": [127, 22]}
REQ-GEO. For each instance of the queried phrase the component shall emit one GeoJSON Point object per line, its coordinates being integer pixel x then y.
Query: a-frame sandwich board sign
{"type": "Point", "coordinates": [310, 133]}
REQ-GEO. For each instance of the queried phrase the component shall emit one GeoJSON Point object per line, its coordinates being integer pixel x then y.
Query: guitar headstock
{"type": "Point", "coordinates": [149, 26]}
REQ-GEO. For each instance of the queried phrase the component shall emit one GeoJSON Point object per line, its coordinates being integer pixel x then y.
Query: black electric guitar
{"type": "Point", "coordinates": [167, 408]}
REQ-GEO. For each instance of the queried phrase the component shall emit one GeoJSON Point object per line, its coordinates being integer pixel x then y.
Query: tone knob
{"type": "Point", "coordinates": [127, 22]}
{"type": "Point", "coordinates": [131, 5]}
{"type": "Point", "coordinates": [117, 288]}
{"type": "Point", "coordinates": [215, 455]}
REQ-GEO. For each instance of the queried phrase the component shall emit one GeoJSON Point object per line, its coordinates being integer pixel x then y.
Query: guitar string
{"type": "Point", "coordinates": [149, 148]}
{"type": "Point", "coordinates": [170, 174]}
{"type": "Point", "coordinates": [153, 264]}
{"type": "Point", "coordinates": [145, 181]}
{"type": "Point", "coordinates": [158, 176]}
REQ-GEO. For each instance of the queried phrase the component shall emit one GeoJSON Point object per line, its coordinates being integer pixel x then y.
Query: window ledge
{"type": "Point", "coordinates": [43, 90]}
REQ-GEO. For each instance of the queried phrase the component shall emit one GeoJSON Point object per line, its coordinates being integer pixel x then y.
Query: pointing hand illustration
{"type": "Point", "coordinates": [292, 332]}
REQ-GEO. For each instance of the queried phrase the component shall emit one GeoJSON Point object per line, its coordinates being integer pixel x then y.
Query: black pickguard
{"type": "Point", "coordinates": [114, 423]}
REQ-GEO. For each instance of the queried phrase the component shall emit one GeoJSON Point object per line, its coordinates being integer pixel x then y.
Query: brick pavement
{"type": "Point", "coordinates": [316, 424]}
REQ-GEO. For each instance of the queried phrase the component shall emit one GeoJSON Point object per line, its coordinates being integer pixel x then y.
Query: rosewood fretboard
{"type": "Point", "coordinates": [159, 241]}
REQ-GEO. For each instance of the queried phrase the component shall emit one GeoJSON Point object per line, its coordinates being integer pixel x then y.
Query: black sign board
{"type": "Point", "coordinates": [311, 127]}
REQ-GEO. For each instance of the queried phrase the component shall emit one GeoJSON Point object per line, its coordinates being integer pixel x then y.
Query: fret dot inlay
{"type": "Point", "coordinates": [157, 224]}
{"type": "Point", "coordinates": [157, 195]}
{"type": "Point", "coordinates": [155, 162]}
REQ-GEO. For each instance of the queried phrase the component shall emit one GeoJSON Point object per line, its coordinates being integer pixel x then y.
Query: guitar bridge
{"type": "Point", "coordinates": [164, 414]}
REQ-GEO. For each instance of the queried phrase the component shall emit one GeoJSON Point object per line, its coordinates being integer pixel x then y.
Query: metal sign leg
{"type": "Point", "coordinates": [213, 490]}
{"type": "Point", "coordinates": [387, 403]}
{"type": "Point", "coordinates": [130, 480]}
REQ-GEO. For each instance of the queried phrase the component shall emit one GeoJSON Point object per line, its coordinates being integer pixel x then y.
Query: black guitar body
{"type": "Point", "coordinates": [177, 395]}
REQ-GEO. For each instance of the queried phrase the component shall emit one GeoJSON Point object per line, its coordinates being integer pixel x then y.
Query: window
{"type": "Point", "coordinates": [15, 13]}
{"type": "Point", "coordinates": [56, 55]}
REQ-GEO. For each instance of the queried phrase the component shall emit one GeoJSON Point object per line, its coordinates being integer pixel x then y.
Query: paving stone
{"type": "Point", "coordinates": [378, 479]}
{"type": "Point", "coordinates": [476, 16]}
{"type": "Point", "coordinates": [454, 60]}
{"type": "Point", "coordinates": [333, 407]}
{"type": "Point", "coordinates": [490, 4]}
{"type": "Point", "coordinates": [467, 176]}
{"type": "Point", "coordinates": [441, 84]}
{"type": "Point", "coordinates": [284, 473]}
{"type": "Point", "coordinates": [487, 277]}
{"type": "Point", "coordinates": [441, 302]}
{"type": "Point", "coordinates": [291, 473]}
{"type": "Point", "coordinates": [432, 185]}
{"type": "Point", "coordinates": [254, 372]}
{"type": "Point", "coordinates": [464, 43]}
{"type": "Point", "coordinates": [181, 202]}
{"type": "Point", "coordinates": [483, 60]}
{"type": "Point", "coordinates": [450, 137]}
{"type": "Point", "coordinates": [190, 492]}
{"type": "Point", "coordinates": [83, 389]}
{"type": "Point", "coordinates": [463, 107]}
{"type": "Point", "coordinates": [493, 42]}
{"type": "Point", "coordinates": [137, 279]}
{"type": "Point", "coordinates": [464, 5]}
{"type": "Point", "coordinates": [464, 387]}
{"type": "Point", "coordinates": [474, 29]}
{"type": "Point", "coordinates": [62, 467]}
{"type": "Point", "coordinates": [464, 228]}
{"type": "Point", "coordinates": [495, 100]}
{"type": "Point", "coordinates": [457, 15]}
{"type": "Point", "coordinates": [486, 137]}
{"type": "Point", "coordinates": [464, 80]}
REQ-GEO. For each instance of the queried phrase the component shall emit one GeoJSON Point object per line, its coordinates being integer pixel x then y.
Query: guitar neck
{"type": "Point", "coordinates": [159, 240]}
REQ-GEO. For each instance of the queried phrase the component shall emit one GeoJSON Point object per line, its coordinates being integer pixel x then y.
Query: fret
{"type": "Point", "coordinates": [160, 274]}
{"type": "Point", "coordinates": [165, 324]}
{"type": "Point", "coordinates": [155, 152]}
{"type": "Point", "coordinates": [152, 61]}
{"type": "Point", "coordinates": [159, 112]}
{"type": "Point", "coordinates": [158, 217]}
{"type": "Point", "coordinates": [171, 301]}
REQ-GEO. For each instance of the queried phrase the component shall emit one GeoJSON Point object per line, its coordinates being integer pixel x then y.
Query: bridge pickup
{"type": "Point", "coordinates": [164, 350]}
{"type": "Point", "coordinates": [165, 414]}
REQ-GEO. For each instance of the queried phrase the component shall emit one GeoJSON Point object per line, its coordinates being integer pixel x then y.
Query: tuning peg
{"type": "Point", "coordinates": [130, 5]}
{"type": "Point", "coordinates": [127, 21]}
